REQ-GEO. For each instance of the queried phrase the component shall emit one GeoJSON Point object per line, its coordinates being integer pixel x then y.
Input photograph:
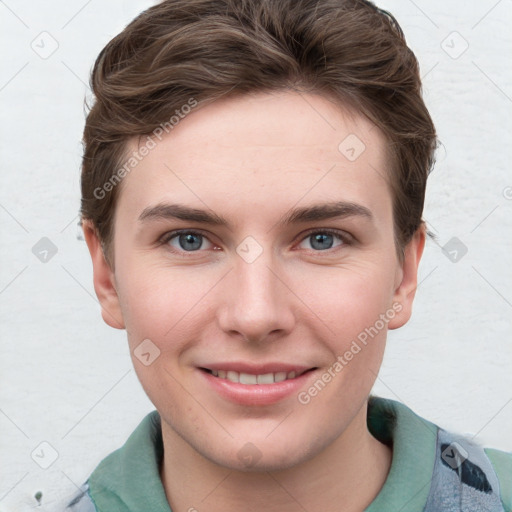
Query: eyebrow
{"type": "Point", "coordinates": [317, 212]}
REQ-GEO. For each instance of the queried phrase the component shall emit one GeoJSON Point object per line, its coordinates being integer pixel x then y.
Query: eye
{"type": "Point", "coordinates": [322, 240]}
{"type": "Point", "coordinates": [185, 241]}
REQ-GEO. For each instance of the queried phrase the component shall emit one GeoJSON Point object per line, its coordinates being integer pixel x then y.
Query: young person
{"type": "Point", "coordinates": [252, 192]}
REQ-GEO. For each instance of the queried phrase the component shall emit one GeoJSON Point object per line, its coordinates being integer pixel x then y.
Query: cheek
{"type": "Point", "coordinates": [146, 295]}
{"type": "Point", "coordinates": [356, 307]}
{"type": "Point", "coordinates": [165, 305]}
{"type": "Point", "coordinates": [348, 300]}
{"type": "Point", "coordinates": [159, 303]}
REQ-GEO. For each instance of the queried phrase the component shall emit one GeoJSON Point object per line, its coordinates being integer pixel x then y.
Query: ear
{"type": "Point", "coordinates": [407, 279]}
{"type": "Point", "coordinates": [104, 283]}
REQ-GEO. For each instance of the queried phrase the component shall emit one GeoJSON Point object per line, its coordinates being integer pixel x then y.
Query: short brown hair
{"type": "Point", "coordinates": [348, 50]}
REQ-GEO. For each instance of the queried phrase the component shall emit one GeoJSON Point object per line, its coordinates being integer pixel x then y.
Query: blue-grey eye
{"type": "Point", "coordinates": [187, 241]}
{"type": "Point", "coordinates": [190, 242]}
{"type": "Point", "coordinates": [323, 240]}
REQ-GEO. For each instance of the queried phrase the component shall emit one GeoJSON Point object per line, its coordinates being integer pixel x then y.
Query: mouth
{"type": "Point", "coordinates": [249, 385]}
{"type": "Point", "coordinates": [251, 379]}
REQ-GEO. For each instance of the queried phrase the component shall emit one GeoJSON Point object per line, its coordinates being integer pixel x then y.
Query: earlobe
{"type": "Point", "coordinates": [103, 279]}
{"type": "Point", "coordinates": [406, 290]}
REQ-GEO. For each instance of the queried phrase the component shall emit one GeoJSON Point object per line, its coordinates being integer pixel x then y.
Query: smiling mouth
{"type": "Point", "coordinates": [251, 379]}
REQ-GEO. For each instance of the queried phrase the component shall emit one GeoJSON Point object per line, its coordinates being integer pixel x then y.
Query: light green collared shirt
{"type": "Point", "coordinates": [431, 470]}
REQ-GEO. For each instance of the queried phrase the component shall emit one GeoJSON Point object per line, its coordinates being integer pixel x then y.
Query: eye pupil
{"type": "Point", "coordinates": [189, 239]}
{"type": "Point", "coordinates": [322, 238]}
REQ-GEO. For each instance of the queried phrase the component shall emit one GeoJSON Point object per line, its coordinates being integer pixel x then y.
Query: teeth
{"type": "Point", "coordinates": [249, 379]}
{"type": "Point", "coordinates": [279, 376]}
{"type": "Point", "coordinates": [233, 376]}
{"type": "Point", "coordinates": [266, 378]}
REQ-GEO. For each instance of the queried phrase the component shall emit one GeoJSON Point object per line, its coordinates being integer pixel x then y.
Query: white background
{"type": "Point", "coordinates": [67, 379]}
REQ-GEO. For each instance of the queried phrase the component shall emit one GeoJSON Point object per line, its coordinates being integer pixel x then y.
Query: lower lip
{"type": "Point", "coordinates": [256, 394]}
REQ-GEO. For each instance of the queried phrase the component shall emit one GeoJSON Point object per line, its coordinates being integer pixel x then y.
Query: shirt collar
{"type": "Point", "coordinates": [413, 441]}
{"type": "Point", "coordinates": [129, 478]}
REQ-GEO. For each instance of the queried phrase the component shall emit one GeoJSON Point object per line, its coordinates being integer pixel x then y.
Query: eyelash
{"type": "Point", "coordinates": [345, 238]}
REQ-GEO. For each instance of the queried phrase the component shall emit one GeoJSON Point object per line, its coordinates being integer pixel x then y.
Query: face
{"type": "Point", "coordinates": [254, 253]}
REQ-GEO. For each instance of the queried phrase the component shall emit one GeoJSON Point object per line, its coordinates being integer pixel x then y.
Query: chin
{"type": "Point", "coordinates": [271, 462]}
{"type": "Point", "coordinates": [263, 456]}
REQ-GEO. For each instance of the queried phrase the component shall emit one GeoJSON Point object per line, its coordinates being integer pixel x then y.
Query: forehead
{"type": "Point", "coordinates": [262, 154]}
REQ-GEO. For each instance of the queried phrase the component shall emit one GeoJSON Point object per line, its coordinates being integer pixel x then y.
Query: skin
{"type": "Point", "coordinates": [252, 159]}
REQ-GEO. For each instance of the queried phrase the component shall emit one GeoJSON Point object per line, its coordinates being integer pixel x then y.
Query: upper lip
{"type": "Point", "coordinates": [257, 369]}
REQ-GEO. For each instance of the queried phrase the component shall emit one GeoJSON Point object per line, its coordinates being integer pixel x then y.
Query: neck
{"type": "Point", "coordinates": [330, 481]}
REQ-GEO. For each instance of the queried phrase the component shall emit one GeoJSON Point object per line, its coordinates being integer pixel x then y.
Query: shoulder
{"type": "Point", "coordinates": [502, 464]}
{"type": "Point", "coordinates": [126, 478]}
{"type": "Point", "coordinates": [469, 476]}
{"type": "Point", "coordinates": [461, 474]}
{"type": "Point", "coordinates": [81, 501]}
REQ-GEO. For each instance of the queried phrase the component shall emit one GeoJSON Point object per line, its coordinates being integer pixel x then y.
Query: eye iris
{"type": "Point", "coordinates": [188, 238]}
{"type": "Point", "coordinates": [321, 238]}
{"type": "Point", "coordinates": [320, 241]}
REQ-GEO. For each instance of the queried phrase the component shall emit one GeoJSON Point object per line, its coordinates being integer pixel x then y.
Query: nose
{"type": "Point", "coordinates": [257, 303]}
